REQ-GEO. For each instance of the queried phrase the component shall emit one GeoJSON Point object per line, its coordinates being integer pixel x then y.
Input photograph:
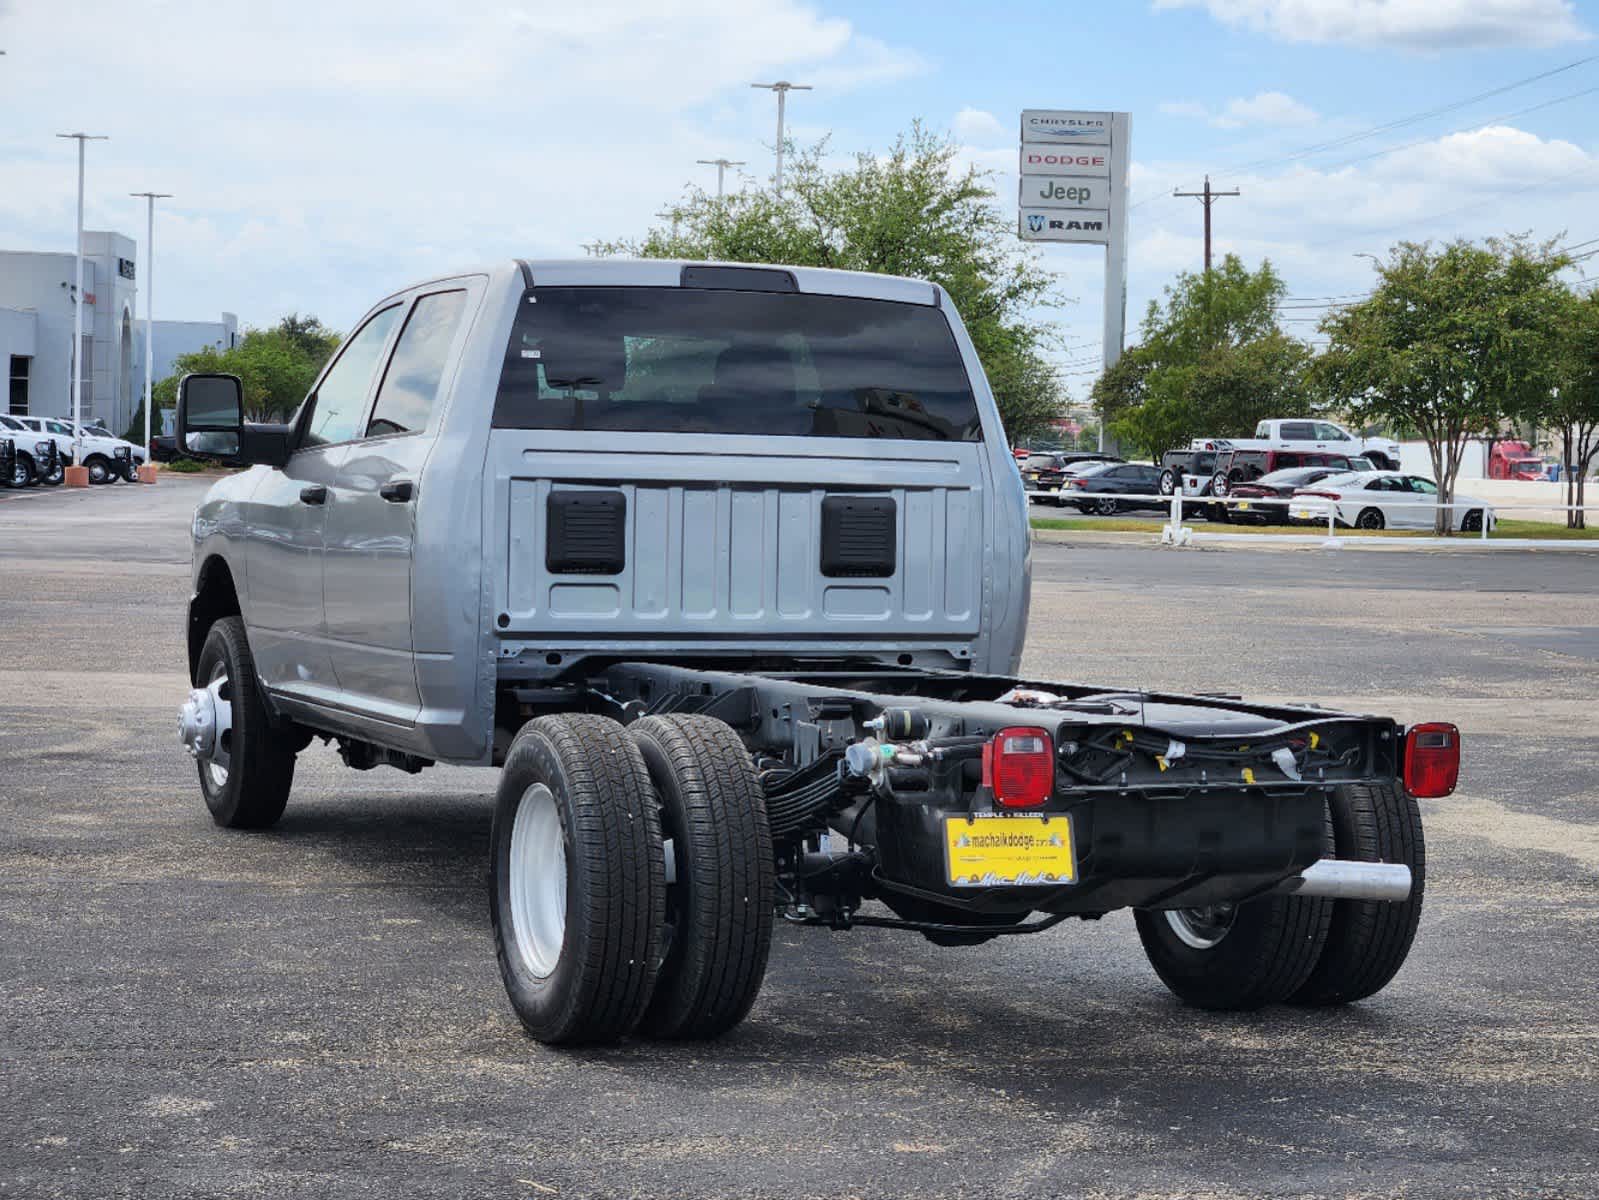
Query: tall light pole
{"type": "Point", "coordinates": [149, 308]}
{"type": "Point", "coordinates": [721, 165]}
{"type": "Point", "coordinates": [77, 307]}
{"type": "Point", "coordinates": [782, 87]}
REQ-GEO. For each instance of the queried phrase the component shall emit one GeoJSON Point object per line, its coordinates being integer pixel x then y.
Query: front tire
{"type": "Point", "coordinates": [246, 773]}
{"type": "Point", "coordinates": [719, 908]}
{"type": "Point", "coordinates": [1368, 940]}
{"type": "Point", "coordinates": [100, 470]}
{"type": "Point", "coordinates": [23, 474]}
{"type": "Point", "coordinates": [1236, 957]}
{"type": "Point", "coordinates": [578, 880]}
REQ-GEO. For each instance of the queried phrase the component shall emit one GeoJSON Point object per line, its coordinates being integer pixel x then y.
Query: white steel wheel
{"type": "Point", "coordinates": [538, 881]}
{"type": "Point", "coordinates": [1201, 928]}
{"type": "Point", "coordinates": [221, 756]}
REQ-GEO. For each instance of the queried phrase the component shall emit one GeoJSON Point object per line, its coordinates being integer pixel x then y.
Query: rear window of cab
{"type": "Point", "coordinates": [689, 360]}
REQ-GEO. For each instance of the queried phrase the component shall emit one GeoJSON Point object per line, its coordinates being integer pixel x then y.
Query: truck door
{"type": "Point", "coordinates": [286, 516]}
{"type": "Point", "coordinates": [370, 533]}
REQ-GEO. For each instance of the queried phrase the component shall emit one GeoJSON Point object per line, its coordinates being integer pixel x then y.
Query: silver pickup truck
{"type": "Point", "coordinates": [726, 568]}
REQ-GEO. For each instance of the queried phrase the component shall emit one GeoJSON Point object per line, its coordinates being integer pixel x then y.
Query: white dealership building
{"type": "Point", "coordinates": [36, 301]}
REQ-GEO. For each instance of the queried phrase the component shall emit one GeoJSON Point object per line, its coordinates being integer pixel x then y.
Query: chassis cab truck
{"type": "Point", "coordinates": [726, 569]}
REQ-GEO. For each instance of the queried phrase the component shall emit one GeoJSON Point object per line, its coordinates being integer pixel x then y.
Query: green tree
{"type": "Point", "coordinates": [1572, 406]}
{"type": "Point", "coordinates": [1211, 361]}
{"type": "Point", "coordinates": [277, 365]}
{"type": "Point", "coordinates": [910, 211]}
{"type": "Point", "coordinates": [1450, 343]}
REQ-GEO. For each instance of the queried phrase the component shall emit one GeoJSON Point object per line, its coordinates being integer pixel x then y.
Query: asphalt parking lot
{"type": "Point", "coordinates": [315, 1011]}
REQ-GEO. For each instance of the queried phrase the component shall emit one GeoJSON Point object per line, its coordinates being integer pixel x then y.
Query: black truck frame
{"type": "Point", "coordinates": [1173, 801]}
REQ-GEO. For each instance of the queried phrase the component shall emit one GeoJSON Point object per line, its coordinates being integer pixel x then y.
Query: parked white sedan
{"type": "Point", "coordinates": [1385, 500]}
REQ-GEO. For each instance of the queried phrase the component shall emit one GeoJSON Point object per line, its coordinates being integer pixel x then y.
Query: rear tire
{"type": "Point", "coordinates": [577, 880]}
{"type": "Point", "coordinates": [719, 909]}
{"type": "Point", "coordinates": [1266, 951]}
{"type": "Point", "coordinates": [1370, 518]}
{"type": "Point", "coordinates": [1107, 507]}
{"type": "Point", "coordinates": [252, 789]}
{"type": "Point", "coordinates": [1368, 940]}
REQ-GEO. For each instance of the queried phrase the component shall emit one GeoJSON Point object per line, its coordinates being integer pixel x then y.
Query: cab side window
{"type": "Point", "coordinates": [411, 385]}
{"type": "Point", "coordinates": [338, 405]}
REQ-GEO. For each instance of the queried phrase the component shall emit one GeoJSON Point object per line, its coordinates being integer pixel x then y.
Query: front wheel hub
{"type": "Point", "coordinates": [197, 723]}
{"type": "Point", "coordinates": [205, 725]}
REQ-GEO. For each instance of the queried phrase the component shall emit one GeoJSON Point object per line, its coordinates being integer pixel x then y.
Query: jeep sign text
{"type": "Point", "coordinates": [1050, 191]}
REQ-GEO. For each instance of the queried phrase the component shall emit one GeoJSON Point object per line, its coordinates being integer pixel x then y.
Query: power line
{"type": "Point", "coordinates": [1438, 216]}
{"type": "Point", "coordinates": [1417, 118]}
{"type": "Point", "coordinates": [1387, 127]}
{"type": "Point", "coordinates": [1474, 126]}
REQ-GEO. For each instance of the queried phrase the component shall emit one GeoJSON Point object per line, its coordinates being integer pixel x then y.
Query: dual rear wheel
{"type": "Point", "coordinates": [632, 878]}
{"type": "Point", "coordinates": [1305, 950]}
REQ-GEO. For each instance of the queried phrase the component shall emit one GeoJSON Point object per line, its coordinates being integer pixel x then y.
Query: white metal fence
{"type": "Point", "coordinates": [1175, 533]}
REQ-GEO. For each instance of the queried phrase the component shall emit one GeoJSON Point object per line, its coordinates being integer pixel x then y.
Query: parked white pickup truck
{"type": "Point", "coordinates": [108, 458]}
{"type": "Point", "coordinates": [1306, 434]}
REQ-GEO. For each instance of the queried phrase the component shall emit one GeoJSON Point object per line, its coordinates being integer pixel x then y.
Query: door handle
{"type": "Point", "coordinates": [399, 491]}
{"type": "Point", "coordinates": [314, 493]}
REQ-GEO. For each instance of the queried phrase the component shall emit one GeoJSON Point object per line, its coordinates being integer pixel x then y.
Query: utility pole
{"type": "Point", "coordinates": [782, 87]}
{"type": "Point", "coordinates": [1207, 198]}
{"type": "Point", "coordinates": [149, 309]}
{"type": "Point", "coordinates": [77, 307]}
{"type": "Point", "coordinates": [721, 165]}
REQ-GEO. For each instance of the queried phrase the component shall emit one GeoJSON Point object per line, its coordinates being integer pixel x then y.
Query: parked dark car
{"type": "Point", "coordinates": [1044, 472]}
{"type": "Point", "coordinates": [8, 461]}
{"type": "Point", "coordinates": [1265, 500]}
{"type": "Point", "coordinates": [1121, 478]}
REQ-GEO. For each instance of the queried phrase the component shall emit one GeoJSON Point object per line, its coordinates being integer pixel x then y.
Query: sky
{"type": "Point", "coordinates": [321, 155]}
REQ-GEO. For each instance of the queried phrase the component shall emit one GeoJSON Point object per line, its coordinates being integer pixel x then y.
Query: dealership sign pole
{"type": "Point", "coordinates": [1074, 189]}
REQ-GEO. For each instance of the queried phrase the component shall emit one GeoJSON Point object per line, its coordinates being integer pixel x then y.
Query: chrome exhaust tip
{"type": "Point", "coordinates": [1342, 880]}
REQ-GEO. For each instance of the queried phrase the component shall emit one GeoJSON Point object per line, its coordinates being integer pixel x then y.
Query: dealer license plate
{"type": "Point", "coordinates": [1310, 514]}
{"type": "Point", "coordinates": [1243, 505]}
{"type": "Point", "coordinates": [993, 851]}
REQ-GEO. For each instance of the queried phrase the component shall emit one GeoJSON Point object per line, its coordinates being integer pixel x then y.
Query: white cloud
{"type": "Point", "coordinates": [1407, 24]}
{"type": "Point", "coordinates": [976, 127]}
{"type": "Point", "coordinates": [1263, 108]}
{"type": "Point", "coordinates": [323, 153]}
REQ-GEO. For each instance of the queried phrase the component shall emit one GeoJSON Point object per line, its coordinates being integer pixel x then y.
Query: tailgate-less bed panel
{"type": "Point", "coordinates": [724, 556]}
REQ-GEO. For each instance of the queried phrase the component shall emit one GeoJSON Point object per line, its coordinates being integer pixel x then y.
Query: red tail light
{"type": "Point", "coordinates": [1080, 483]}
{"type": "Point", "coordinates": [1322, 495]}
{"type": "Point", "coordinates": [1019, 767]}
{"type": "Point", "coordinates": [1432, 759]}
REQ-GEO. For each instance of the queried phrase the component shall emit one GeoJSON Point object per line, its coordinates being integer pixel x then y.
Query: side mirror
{"type": "Point", "coordinates": [211, 422]}
{"type": "Point", "coordinates": [210, 414]}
